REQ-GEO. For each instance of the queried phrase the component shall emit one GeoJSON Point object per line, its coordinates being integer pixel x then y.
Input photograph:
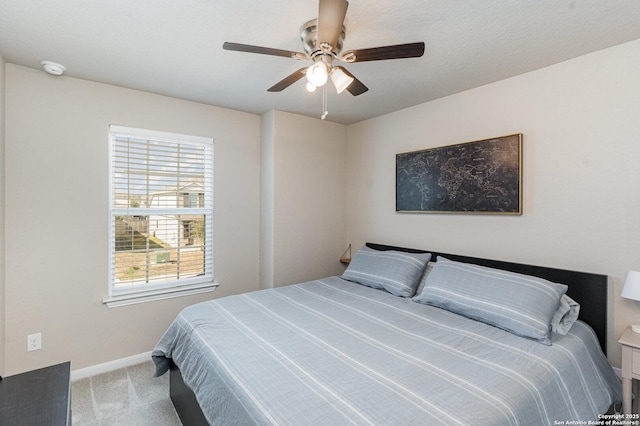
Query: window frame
{"type": "Point", "coordinates": [140, 293]}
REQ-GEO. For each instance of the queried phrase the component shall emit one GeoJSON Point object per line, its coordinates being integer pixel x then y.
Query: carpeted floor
{"type": "Point", "coordinates": [127, 397]}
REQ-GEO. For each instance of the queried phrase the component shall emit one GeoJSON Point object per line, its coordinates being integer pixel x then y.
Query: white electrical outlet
{"type": "Point", "coordinates": [34, 342]}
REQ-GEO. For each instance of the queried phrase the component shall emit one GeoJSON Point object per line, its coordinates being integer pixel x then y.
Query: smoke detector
{"type": "Point", "coordinates": [53, 68]}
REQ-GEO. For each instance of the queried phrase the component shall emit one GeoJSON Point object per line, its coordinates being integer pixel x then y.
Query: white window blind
{"type": "Point", "coordinates": [161, 212]}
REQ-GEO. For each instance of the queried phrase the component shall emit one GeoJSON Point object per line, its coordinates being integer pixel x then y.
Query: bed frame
{"type": "Point", "coordinates": [589, 290]}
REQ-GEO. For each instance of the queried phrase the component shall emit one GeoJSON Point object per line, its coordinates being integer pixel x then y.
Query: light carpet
{"type": "Point", "coordinates": [126, 397]}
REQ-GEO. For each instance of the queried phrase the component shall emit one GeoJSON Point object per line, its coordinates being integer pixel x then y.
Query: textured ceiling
{"type": "Point", "coordinates": [175, 47]}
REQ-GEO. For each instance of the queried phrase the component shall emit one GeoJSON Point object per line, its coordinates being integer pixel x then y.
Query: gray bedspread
{"type": "Point", "coordinates": [331, 352]}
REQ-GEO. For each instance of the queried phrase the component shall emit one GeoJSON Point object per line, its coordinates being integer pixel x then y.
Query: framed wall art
{"type": "Point", "coordinates": [483, 176]}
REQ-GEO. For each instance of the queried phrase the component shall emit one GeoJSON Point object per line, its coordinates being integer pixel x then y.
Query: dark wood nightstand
{"type": "Point", "coordinates": [37, 398]}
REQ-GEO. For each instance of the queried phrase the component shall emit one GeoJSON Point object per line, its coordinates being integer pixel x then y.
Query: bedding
{"type": "Point", "coordinates": [521, 304]}
{"type": "Point", "coordinates": [566, 314]}
{"type": "Point", "coordinates": [336, 352]}
{"type": "Point", "coordinates": [394, 271]}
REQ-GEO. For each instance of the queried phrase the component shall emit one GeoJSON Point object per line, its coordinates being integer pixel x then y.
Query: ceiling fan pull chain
{"type": "Point", "coordinates": [324, 103]}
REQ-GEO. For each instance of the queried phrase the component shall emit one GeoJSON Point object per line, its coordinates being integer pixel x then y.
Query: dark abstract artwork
{"type": "Point", "coordinates": [474, 177]}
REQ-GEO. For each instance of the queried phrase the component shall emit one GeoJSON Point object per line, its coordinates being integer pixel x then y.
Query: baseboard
{"type": "Point", "coordinates": [106, 367]}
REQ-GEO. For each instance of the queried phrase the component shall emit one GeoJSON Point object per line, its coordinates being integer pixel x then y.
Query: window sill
{"type": "Point", "coordinates": [150, 296]}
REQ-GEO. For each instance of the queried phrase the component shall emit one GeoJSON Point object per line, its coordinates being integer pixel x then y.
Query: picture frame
{"type": "Point", "coordinates": [479, 177]}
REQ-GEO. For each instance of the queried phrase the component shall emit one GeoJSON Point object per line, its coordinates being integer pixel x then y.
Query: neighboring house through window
{"type": "Point", "coordinates": [161, 215]}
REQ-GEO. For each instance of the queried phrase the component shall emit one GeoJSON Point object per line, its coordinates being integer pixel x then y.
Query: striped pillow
{"type": "Point", "coordinates": [394, 271]}
{"type": "Point", "coordinates": [521, 304]}
{"type": "Point", "coordinates": [566, 314]}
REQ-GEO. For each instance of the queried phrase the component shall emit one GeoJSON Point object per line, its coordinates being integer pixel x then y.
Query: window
{"type": "Point", "coordinates": [161, 215]}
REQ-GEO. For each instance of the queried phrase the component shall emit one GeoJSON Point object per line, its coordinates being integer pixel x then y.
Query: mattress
{"type": "Point", "coordinates": [336, 352]}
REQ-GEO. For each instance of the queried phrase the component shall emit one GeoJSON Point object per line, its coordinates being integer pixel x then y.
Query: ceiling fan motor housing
{"type": "Point", "coordinates": [309, 37]}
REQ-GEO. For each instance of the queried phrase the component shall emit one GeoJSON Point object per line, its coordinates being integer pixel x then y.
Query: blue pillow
{"type": "Point", "coordinates": [521, 304]}
{"type": "Point", "coordinates": [394, 271]}
{"type": "Point", "coordinates": [566, 314]}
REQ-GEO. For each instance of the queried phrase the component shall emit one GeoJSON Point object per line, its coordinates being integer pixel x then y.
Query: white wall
{"type": "Point", "coordinates": [2, 310]}
{"type": "Point", "coordinates": [57, 210]}
{"type": "Point", "coordinates": [303, 198]}
{"type": "Point", "coordinates": [267, 209]}
{"type": "Point", "coordinates": [581, 179]}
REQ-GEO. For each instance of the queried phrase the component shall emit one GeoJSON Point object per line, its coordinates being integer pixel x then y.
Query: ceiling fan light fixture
{"type": "Point", "coordinates": [322, 39]}
{"type": "Point", "coordinates": [340, 79]}
{"type": "Point", "coordinates": [318, 74]}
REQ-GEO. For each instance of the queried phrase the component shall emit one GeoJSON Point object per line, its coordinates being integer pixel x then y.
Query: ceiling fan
{"type": "Point", "coordinates": [322, 39]}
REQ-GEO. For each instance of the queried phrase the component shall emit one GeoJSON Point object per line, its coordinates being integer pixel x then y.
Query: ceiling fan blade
{"type": "Point", "coordinates": [356, 87]}
{"type": "Point", "coordinates": [288, 81]}
{"type": "Point", "coordinates": [398, 51]}
{"type": "Point", "coordinates": [331, 14]}
{"type": "Point", "coordinates": [263, 50]}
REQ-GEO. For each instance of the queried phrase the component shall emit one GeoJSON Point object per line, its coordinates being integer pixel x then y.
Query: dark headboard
{"type": "Point", "coordinates": [589, 290]}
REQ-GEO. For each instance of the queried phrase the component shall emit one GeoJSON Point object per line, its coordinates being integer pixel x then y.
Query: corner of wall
{"type": "Point", "coordinates": [2, 117]}
{"type": "Point", "coordinates": [267, 129]}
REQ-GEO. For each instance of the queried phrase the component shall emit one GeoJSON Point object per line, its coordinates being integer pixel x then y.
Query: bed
{"type": "Point", "coordinates": [350, 350]}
